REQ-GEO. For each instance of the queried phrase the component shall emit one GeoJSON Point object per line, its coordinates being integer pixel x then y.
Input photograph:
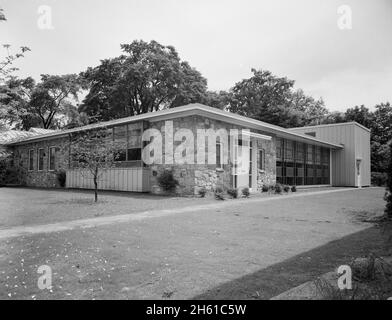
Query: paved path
{"type": "Point", "coordinates": [101, 221]}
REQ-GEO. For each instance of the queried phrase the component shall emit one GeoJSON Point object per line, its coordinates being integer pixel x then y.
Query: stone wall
{"type": "Point", "coordinates": [267, 176]}
{"type": "Point", "coordinates": [193, 177]}
{"type": "Point", "coordinates": [44, 178]}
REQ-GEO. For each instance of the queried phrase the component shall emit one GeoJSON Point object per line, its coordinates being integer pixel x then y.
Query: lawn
{"type": "Point", "coordinates": [254, 250]}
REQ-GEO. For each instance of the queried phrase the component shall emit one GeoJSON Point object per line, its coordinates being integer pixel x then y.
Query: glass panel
{"type": "Point", "coordinates": [41, 159]}
{"type": "Point", "coordinates": [134, 154]}
{"type": "Point", "coordinates": [31, 160]}
{"type": "Point", "coordinates": [52, 155]}
{"type": "Point", "coordinates": [218, 155]}
{"type": "Point", "coordinates": [289, 150]}
{"type": "Point", "coordinates": [279, 145]}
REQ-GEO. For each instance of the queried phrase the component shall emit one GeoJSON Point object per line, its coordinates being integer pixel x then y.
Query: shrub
{"type": "Point", "coordinates": [293, 189]}
{"type": "Point", "coordinates": [233, 193]}
{"type": "Point", "coordinates": [167, 181]}
{"type": "Point", "coordinates": [286, 189]}
{"type": "Point", "coordinates": [379, 179]}
{"type": "Point", "coordinates": [245, 192]}
{"type": "Point", "coordinates": [61, 176]}
{"type": "Point", "coordinates": [278, 188]}
{"type": "Point", "coordinates": [388, 195]}
{"type": "Point", "coordinates": [202, 192]}
{"type": "Point", "coordinates": [218, 192]}
{"type": "Point", "coordinates": [11, 176]}
{"type": "Point", "coordinates": [265, 188]}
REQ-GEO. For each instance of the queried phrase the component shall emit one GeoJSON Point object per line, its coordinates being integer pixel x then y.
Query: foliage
{"type": "Point", "coordinates": [233, 193]}
{"type": "Point", "coordinates": [218, 193]}
{"type": "Point", "coordinates": [167, 181]}
{"type": "Point", "coordinates": [286, 189]}
{"type": "Point", "coordinates": [94, 151]}
{"type": "Point", "coordinates": [265, 188]}
{"type": "Point", "coordinates": [61, 176]}
{"type": "Point", "coordinates": [147, 77]}
{"type": "Point", "coordinates": [271, 99]}
{"type": "Point", "coordinates": [6, 68]}
{"type": "Point", "coordinates": [27, 104]}
{"type": "Point", "coordinates": [278, 188]}
{"type": "Point", "coordinates": [293, 189]}
{"type": "Point", "coordinates": [379, 179]}
{"type": "Point", "coordinates": [245, 192]}
{"type": "Point", "coordinates": [202, 192]}
{"type": "Point", "coordinates": [388, 195]}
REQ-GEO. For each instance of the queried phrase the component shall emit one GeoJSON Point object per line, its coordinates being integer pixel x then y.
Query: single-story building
{"type": "Point", "coordinates": [335, 155]}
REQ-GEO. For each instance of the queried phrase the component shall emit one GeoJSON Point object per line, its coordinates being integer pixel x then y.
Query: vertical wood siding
{"type": "Point", "coordinates": [118, 179]}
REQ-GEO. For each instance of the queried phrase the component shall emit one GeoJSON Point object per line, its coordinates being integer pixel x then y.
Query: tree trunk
{"type": "Point", "coordinates": [96, 186]}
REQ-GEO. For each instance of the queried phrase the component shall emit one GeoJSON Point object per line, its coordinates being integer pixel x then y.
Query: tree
{"type": "Point", "coordinates": [50, 96]}
{"type": "Point", "coordinates": [6, 68]}
{"type": "Point", "coordinates": [25, 103]}
{"type": "Point", "coordinates": [147, 77]}
{"type": "Point", "coordinates": [388, 195]}
{"type": "Point", "coordinates": [361, 114]}
{"type": "Point", "coordinates": [311, 110]}
{"type": "Point", "coordinates": [95, 152]}
{"type": "Point", "coordinates": [269, 98]}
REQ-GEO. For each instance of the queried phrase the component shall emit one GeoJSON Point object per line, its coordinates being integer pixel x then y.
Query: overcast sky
{"type": "Point", "coordinates": [223, 39]}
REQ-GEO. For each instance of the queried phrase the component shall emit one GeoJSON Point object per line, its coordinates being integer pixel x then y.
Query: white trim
{"type": "Point", "coordinates": [331, 125]}
{"type": "Point", "coordinates": [191, 109]}
{"type": "Point", "coordinates": [330, 167]}
{"type": "Point", "coordinates": [221, 156]}
{"type": "Point", "coordinates": [38, 169]}
{"type": "Point", "coordinates": [49, 158]}
{"type": "Point", "coordinates": [32, 161]}
{"type": "Point", "coordinates": [256, 135]}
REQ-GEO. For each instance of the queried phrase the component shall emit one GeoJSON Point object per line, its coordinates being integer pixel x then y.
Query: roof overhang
{"type": "Point", "coordinates": [189, 110]}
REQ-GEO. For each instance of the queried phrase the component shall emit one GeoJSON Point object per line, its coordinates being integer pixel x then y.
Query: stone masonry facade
{"type": "Point", "coordinates": [191, 177]}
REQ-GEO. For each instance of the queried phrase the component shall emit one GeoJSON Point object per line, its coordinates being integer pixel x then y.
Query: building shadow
{"type": "Point", "coordinates": [275, 279]}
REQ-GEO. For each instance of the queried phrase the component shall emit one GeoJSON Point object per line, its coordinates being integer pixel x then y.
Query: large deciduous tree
{"type": "Point", "coordinates": [272, 99]}
{"type": "Point", "coordinates": [147, 77]}
{"type": "Point", "coordinates": [25, 103]}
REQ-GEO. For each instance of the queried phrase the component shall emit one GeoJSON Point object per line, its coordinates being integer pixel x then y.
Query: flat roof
{"type": "Point", "coordinates": [333, 125]}
{"type": "Point", "coordinates": [187, 110]}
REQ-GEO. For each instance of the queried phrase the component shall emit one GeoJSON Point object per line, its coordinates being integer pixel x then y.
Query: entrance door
{"type": "Point", "coordinates": [358, 162]}
{"type": "Point", "coordinates": [244, 171]}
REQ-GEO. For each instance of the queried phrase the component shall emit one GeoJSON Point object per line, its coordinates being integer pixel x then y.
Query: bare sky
{"type": "Point", "coordinates": [223, 39]}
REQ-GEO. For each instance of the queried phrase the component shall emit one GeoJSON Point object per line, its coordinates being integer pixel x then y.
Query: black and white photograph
{"type": "Point", "coordinates": [196, 157]}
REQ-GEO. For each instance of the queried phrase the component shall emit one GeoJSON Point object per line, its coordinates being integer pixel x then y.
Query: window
{"type": "Point", "coordinates": [262, 159]}
{"type": "Point", "coordinates": [219, 155]}
{"type": "Point", "coordinates": [41, 155]}
{"type": "Point", "coordinates": [288, 154]}
{"type": "Point", "coordinates": [134, 154]}
{"type": "Point", "coordinates": [52, 158]}
{"type": "Point", "coordinates": [279, 147]}
{"type": "Point", "coordinates": [31, 160]}
{"type": "Point", "coordinates": [120, 137]}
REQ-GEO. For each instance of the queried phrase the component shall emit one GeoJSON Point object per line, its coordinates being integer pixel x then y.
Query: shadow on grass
{"type": "Point", "coordinates": [127, 194]}
{"type": "Point", "coordinates": [273, 280]}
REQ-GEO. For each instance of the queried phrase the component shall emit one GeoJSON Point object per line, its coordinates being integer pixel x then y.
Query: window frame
{"type": "Point", "coordinates": [220, 165]}
{"type": "Point", "coordinates": [261, 162]}
{"type": "Point", "coordinates": [38, 159]}
{"type": "Point", "coordinates": [31, 160]}
{"type": "Point", "coordinates": [50, 158]}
